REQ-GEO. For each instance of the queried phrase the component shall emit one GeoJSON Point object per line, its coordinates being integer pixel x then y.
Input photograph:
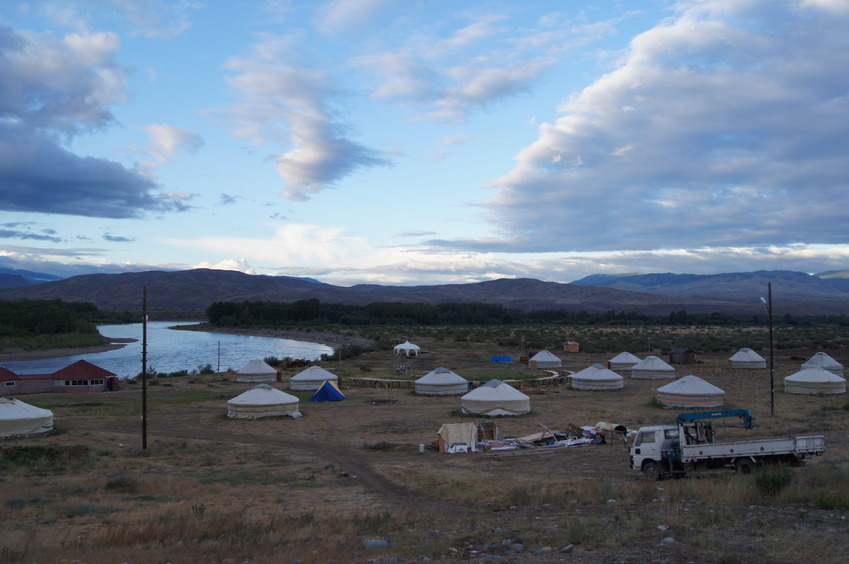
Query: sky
{"type": "Point", "coordinates": [424, 142]}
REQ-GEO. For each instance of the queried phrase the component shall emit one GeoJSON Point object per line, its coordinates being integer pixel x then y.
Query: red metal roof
{"type": "Point", "coordinates": [6, 374]}
{"type": "Point", "coordinates": [82, 369]}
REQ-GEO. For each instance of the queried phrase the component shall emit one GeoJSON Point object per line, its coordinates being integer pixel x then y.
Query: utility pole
{"type": "Point", "coordinates": [144, 368]}
{"type": "Point", "coordinates": [768, 304]}
{"type": "Point", "coordinates": [771, 355]}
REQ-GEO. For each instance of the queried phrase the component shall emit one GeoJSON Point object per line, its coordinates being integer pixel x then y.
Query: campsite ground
{"type": "Point", "coordinates": [321, 488]}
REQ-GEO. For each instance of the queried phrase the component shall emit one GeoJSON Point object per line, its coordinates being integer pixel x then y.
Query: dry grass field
{"type": "Point", "coordinates": [347, 483]}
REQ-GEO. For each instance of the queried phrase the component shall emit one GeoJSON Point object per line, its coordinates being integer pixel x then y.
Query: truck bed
{"type": "Point", "coordinates": [800, 447]}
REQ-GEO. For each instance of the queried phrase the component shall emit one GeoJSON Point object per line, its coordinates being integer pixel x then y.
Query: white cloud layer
{"type": "Point", "coordinates": [725, 126]}
{"type": "Point", "coordinates": [282, 101]}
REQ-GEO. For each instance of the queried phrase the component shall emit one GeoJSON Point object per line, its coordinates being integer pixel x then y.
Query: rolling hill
{"type": "Point", "coordinates": [194, 290]}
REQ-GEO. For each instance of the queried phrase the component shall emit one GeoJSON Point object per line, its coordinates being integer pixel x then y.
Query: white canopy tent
{"type": "Point", "coordinates": [822, 360]}
{"type": "Point", "coordinates": [545, 359]}
{"type": "Point", "coordinates": [262, 401]}
{"type": "Point", "coordinates": [441, 382]}
{"type": "Point", "coordinates": [311, 379]}
{"type": "Point", "coordinates": [747, 358]}
{"type": "Point", "coordinates": [690, 391]}
{"type": "Point", "coordinates": [815, 381]}
{"type": "Point", "coordinates": [407, 348]}
{"type": "Point", "coordinates": [597, 377]}
{"type": "Point", "coordinates": [256, 370]}
{"type": "Point", "coordinates": [457, 437]}
{"type": "Point", "coordinates": [495, 398]}
{"type": "Point", "coordinates": [21, 418]}
{"type": "Point", "coordinates": [652, 368]}
{"type": "Point", "coordinates": [622, 361]}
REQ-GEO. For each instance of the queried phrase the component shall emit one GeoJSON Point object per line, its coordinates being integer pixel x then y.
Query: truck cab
{"type": "Point", "coordinates": [653, 447]}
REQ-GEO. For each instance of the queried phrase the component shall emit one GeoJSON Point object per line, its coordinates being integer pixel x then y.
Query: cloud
{"type": "Point", "coordinates": [157, 18]}
{"type": "Point", "coordinates": [240, 265]}
{"type": "Point", "coordinates": [166, 141]}
{"type": "Point", "coordinates": [149, 18]}
{"type": "Point", "coordinates": [116, 238]}
{"type": "Point", "coordinates": [52, 90]}
{"type": "Point", "coordinates": [725, 126]}
{"type": "Point", "coordinates": [476, 65]}
{"type": "Point", "coordinates": [339, 16]}
{"type": "Point", "coordinates": [9, 231]}
{"type": "Point", "coordinates": [285, 102]}
{"type": "Point", "coordinates": [477, 87]}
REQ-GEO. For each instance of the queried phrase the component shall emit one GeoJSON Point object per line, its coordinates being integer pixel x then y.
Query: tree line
{"type": "Point", "coordinates": [312, 312]}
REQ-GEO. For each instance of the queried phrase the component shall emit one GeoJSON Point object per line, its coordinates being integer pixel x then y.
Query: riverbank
{"type": "Point", "coordinates": [20, 355]}
{"type": "Point", "coordinates": [332, 340]}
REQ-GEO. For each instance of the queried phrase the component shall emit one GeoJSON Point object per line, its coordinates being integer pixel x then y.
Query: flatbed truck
{"type": "Point", "coordinates": [688, 447]}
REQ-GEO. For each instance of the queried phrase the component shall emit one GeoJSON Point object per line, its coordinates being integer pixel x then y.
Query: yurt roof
{"type": "Point", "coordinates": [624, 357]}
{"type": "Point", "coordinates": [596, 372]}
{"type": "Point", "coordinates": [407, 345]}
{"type": "Point", "coordinates": [495, 390]}
{"type": "Point", "coordinates": [821, 360]}
{"type": "Point", "coordinates": [314, 373]}
{"type": "Point", "coordinates": [263, 394]}
{"type": "Point", "coordinates": [814, 375]}
{"type": "Point", "coordinates": [441, 376]}
{"type": "Point", "coordinates": [691, 386]}
{"type": "Point", "coordinates": [257, 366]}
{"type": "Point", "coordinates": [13, 409]}
{"type": "Point", "coordinates": [652, 362]}
{"type": "Point", "coordinates": [746, 355]}
{"type": "Point", "coordinates": [545, 356]}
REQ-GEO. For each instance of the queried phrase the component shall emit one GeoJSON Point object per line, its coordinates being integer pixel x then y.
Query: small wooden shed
{"type": "Point", "coordinates": [571, 347]}
{"type": "Point", "coordinates": [682, 355]}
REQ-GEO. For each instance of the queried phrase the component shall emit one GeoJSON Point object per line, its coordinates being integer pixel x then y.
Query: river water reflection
{"type": "Point", "coordinates": [172, 350]}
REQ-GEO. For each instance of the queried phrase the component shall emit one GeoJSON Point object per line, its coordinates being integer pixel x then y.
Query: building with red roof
{"type": "Point", "coordinates": [81, 376]}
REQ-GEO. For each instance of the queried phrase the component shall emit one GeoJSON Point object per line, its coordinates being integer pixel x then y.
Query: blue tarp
{"type": "Point", "coordinates": [501, 358]}
{"type": "Point", "coordinates": [327, 392]}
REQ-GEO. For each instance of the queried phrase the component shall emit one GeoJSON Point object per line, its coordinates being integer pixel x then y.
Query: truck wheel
{"type": "Point", "coordinates": [744, 466]}
{"type": "Point", "coordinates": [650, 471]}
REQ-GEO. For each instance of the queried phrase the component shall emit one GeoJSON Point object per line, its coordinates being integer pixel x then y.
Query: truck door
{"type": "Point", "coordinates": [645, 446]}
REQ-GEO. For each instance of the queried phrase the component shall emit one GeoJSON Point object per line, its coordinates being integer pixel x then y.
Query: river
{"type": "Point", "coordinates": [172, 350]}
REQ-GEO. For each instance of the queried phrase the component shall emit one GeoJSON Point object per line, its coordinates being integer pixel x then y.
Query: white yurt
{"type": "Point", "coordinates": [20, 418]}
{"type": "Point", "coordinates": [597, 377]}
{"type": "Point", "coordinates": [407, 348]}
{"type": "Point", "coordinates": [690, 391]}
{"type": "Point", "coordinates": [545, 359]}
{"type": "Point", "coordinates": [311, 379]}
{"type": "Point", "coordinates": [622, 361]}
{"type": "Point", "coordinates": [814, 381]}
{"type": "Point", "coordinates": [822, 360]}
{"type": "Point", "coordinates": [441, 382]}
{"type": "Point", "coordinates": [262, 401]}
{"type": "Point", "coordinates": [495, 398]}
{"type": "Point", "coordinates": [747, 358]}
{"type": "Point", "coordinates": [652, 368]}
{"type": "Point", "coordinates": [256, 370]}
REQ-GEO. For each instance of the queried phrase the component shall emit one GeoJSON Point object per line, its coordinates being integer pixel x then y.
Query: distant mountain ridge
{"type": "Point", "coordinates": [15, 278]}
{"type": "Point", "coordinates": [659, 294]}
{"type": "Point", "coordinates": [738, 286]}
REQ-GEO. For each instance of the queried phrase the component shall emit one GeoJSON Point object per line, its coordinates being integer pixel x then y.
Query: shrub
{"type": "Point", "coordinates": [771, 479]}
{"type": "Point", "coordinates": [123, 484]}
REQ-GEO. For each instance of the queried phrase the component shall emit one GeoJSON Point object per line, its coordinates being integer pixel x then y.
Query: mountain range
{"type": "Point", "coordinates": [794, 293]}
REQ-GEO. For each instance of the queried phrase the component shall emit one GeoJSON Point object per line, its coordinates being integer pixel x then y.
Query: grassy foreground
{"type": "Point", "coordinates": [346, 483]}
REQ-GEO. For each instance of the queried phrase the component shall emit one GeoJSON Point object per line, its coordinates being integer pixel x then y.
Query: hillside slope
{"type": "Point", "coordinates": [195, 290]}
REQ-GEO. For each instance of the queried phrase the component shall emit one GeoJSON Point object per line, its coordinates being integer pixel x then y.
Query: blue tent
{"type": "Point", "coordinates": [327, 392]}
